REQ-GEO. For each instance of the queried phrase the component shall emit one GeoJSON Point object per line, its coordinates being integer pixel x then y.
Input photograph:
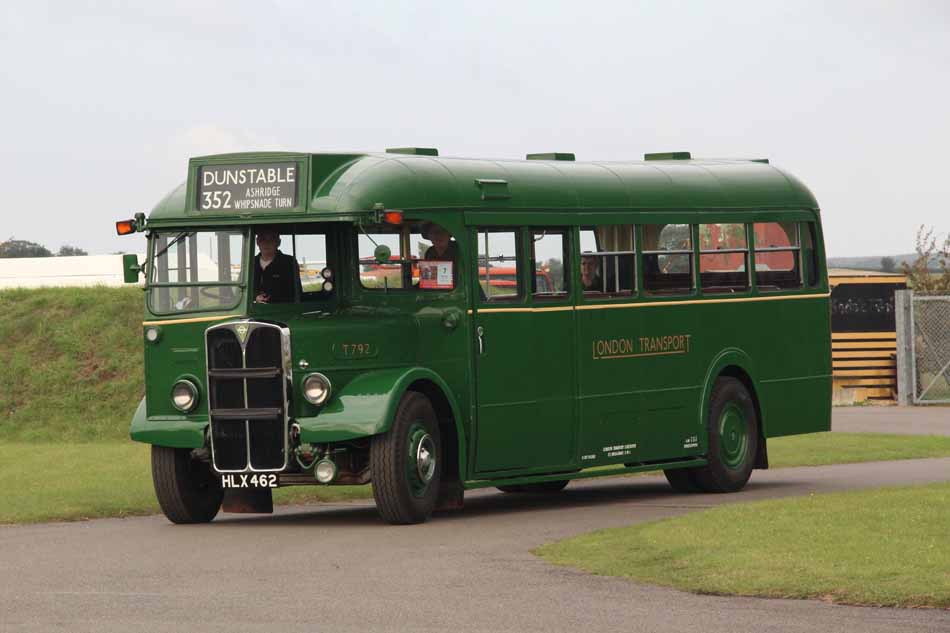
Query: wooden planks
{"type": "Point", "coordinates": [864, 364]}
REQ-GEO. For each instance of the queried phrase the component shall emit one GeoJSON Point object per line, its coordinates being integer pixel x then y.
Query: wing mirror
{"type": "Point", "coordinates": [382, 254]}
{"type": "Point", "coordinates": [131, 268]}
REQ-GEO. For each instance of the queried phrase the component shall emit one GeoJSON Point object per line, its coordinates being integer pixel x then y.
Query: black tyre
{"type": "Point", "coordinates": [406, 463]}
{"type": "Point", "coordinates": [733, 429]}
{"type": "Point", "coordinates": [544, 486]}
{"type": "Point", "coordinates": [682, 480]}
{"type": "Point", "coordinates": [187, 489]}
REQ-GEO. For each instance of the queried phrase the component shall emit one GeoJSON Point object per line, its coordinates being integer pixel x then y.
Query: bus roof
{"type": "Point", "coordinates": [335, 185]}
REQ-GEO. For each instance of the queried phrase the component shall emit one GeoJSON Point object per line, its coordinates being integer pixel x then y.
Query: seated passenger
{"type": "Point", "coordinates": [443, 248]}
{"type": "Point", "coordinates": [276, 275]}
{"type": "Point", "coordinates": [590, 274]}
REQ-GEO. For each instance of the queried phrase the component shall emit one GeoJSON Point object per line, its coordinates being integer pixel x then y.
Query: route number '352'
{"type": "Point", "coordinates": [216, 200]}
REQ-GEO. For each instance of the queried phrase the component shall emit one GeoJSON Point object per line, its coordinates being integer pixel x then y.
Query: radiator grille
{"type": "Point", "coordinates": [247, 372]}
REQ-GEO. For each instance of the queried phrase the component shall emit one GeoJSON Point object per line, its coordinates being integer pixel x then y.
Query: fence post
{"type": "Point", "coordinates": [904, 315]}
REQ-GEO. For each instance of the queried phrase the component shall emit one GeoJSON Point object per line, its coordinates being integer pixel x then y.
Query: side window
{"type": "Point", "coordinates": [549, 256]}
{"type": "Point", "coordinates": [607, 260]}
{"type": "Point", "coordinates": [777, 256]}
{"type": "Point", "coordinates": [810, 254]}
{"type": "Point", "coordinates": [498, 265]}
{"type": "Point", "coordinates": [723, 258]}
{"type": "Point", "coordinates": [376, 275]}
{"type": "Point", "coordinates": [667, 259]}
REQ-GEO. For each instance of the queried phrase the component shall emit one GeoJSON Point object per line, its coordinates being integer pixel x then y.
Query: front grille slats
{"type": "Point", "coordinates": [247, 397]}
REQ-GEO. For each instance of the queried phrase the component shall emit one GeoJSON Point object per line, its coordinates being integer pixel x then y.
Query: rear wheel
{"type": "Point", "coordinates": [406, 463]}
{"type": "Point", "coordinates": [187, 489]}
{"type": "Point", "coordinates": [733, 438]}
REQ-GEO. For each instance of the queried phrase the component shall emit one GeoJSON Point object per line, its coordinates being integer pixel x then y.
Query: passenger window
{"type": "Point", "coordinates": [498, 265]}
{"type": "Point", "coordinates": [667, 259]}
{"type": "Point", "coordinates": [374, 275]}
{"type": "Point", "coordinates": [434, 252]}
{"type": "Point", "coordinates": [549, 253]}
{"type": "Point", "coordinates": [777, 256]}
{"type": "Point", "coordinates": [723, 258]}
{"type": "Point", "coordinates": [810, 254]}
{"type": "Point", "coordinates": [607, 260]}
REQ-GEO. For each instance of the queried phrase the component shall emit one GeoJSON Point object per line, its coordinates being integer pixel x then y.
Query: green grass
{"type": "Point", "coordinates": [50, 482]}
{"type": "Point", "coordinates": [819, 449]}
{"type": "Point", "coordinates": [884, 547]}
{"type": "Point", "coordinates": [71, 366]}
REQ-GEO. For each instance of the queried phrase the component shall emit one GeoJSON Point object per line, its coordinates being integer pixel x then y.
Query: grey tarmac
{"type": "Point", "coordinates": [339, 568]}
{"type": "Point", "coordinates": [923, 420]}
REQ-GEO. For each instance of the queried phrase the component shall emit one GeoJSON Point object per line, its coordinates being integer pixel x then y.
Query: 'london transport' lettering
{"type": "Point", "coordinates": [605, 349]}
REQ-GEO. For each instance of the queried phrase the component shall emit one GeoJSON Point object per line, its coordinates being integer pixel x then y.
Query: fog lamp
{"type": "Point", "coordinates": [325, 471]}
{"type": "Point", "coordinates": [316, 388]}
{"type": "Point", "coordinates": [184, 395]}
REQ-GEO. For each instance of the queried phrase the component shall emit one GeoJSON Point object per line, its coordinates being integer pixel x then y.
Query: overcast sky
{"type": "Point", "coordinates": [103, 103]}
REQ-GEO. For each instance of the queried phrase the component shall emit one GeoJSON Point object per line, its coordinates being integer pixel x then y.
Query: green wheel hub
{"type": "Point", "coordinates": [422, 459]}
{"type": "Point", "coordinates": [733, 436]}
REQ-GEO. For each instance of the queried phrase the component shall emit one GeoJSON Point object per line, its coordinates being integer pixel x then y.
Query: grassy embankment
{"type": "Point", "coordinates": [885, 547]}
{"type": "Point", "coordinates": [71, 377]}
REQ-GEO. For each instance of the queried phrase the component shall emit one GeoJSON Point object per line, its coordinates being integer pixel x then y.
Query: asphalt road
{"type": "Point", "coordinates": [922, 420]}
{"type": "Point", "coordinates": [339, 568]}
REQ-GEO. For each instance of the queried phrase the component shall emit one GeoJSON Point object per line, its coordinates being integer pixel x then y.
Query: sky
{"type": "Point", "coordinates": [104, 102]}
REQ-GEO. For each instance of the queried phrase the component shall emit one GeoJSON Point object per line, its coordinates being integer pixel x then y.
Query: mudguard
{"type": "Point", "coordinates": [175, 431]}
{"type": "Point", "coordinates": [731, 356]}
{"type": "Point", "coordinates": [366, 406]}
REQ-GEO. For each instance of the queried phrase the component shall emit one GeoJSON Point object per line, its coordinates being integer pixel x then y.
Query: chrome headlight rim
{"type": "Point", "coordinates": [192, 390]}
{"type": "Point", "coordinates": [316, 379]}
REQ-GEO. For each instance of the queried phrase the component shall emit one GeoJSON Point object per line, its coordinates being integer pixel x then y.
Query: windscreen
{"type": "Point", "coordinates": [196, 271]}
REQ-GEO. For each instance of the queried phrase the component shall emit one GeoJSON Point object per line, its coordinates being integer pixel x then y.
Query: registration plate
{"type": "Point", "coordinates": [249, 480]}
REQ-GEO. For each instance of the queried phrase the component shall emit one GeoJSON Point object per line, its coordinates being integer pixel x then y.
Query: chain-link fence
{"type": "Point", "coordinates": [931, 349]}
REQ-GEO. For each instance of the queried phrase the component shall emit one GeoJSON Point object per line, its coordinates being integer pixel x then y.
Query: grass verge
{"type": "Point", "coordinates": [885, 547]}
{"type": "Point", "coordinates": [820, 449]}
{"type": "Point", "coordinates": [56, 482]}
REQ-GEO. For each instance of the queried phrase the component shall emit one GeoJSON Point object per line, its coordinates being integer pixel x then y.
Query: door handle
{"type": "Point", "coordinates": [480, 333]}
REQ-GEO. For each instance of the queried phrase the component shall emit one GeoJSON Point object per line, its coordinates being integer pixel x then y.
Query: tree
{"type": "Point", "coordinates": [887, 264]}
{"type": "Point", "coordinates": [70, 251]}
{"type": "Point", "coordinates": [22, 248]}
{"type": "Point", "coordinates": [920, 275]}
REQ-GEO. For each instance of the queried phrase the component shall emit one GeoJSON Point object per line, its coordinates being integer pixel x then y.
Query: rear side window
{"type": "Point", "coordinates": [549, 257]}
{"type": "Point", "coordinates": [777, 256]}
{"type": "Point", "coordinates": [607, 260]}
{"type": "Point", "coordinates": [499, 270]}
{"type": "Point", "coordinates": [723, 258]}
{"type": "Point", "coordinates": [667, 259]}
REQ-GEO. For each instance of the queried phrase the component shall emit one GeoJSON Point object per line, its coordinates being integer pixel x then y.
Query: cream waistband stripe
{"type": "Point", "coordinates": [649, 304]}
{"type": "Point", "coordinates": [192, 320]}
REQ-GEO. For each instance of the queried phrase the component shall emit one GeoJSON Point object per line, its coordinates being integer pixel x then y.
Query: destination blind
{"type": "Point", "coordinates": [248, 187]}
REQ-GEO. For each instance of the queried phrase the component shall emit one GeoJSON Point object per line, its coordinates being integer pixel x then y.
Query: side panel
{"type": "Point", "coordinates": [175, 431]}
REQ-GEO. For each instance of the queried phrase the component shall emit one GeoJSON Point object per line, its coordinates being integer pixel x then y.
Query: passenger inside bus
{"type": "Point", "coordinates": [590, 274]}
{"type": "Point", "coordinates": [276, 274]}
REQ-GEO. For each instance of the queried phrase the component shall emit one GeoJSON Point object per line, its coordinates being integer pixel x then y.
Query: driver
{"type": "Point", "coordinates": [276, 274]}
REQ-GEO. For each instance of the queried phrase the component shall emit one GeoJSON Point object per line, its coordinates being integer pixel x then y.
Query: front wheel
{"type": "Point", "coordinates": [733, 438]}
{"type": "Point", "coordinates": [187, 490]}
{"type": "Point", "coordinates": [406, 463]}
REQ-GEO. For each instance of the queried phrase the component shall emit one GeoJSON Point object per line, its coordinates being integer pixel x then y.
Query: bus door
{"type": "Point", "coordinates": [524, 333]}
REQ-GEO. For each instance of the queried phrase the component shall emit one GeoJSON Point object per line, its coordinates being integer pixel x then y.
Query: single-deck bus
{"type": "Point", "coordinates": [525, 323]}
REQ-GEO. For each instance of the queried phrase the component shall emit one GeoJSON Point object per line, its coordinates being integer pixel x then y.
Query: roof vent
{"type": "Point", "coordinates": [551, 156]}
{"type": "Point", "coordinates": [668, 156]}
{"type": "Point", "coordinates": [415, 151]}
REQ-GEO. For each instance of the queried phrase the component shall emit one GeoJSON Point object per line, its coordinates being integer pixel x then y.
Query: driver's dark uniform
{"type": "Point", "coordinates": [279, 280]}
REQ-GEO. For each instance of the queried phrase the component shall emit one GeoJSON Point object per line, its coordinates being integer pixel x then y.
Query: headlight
{"type": "Point", "coordinates": [184, 395]}
{"type": "Point", "coordinates": [316, 388]}
{"type": "Point", "coordinates": [152, 334]}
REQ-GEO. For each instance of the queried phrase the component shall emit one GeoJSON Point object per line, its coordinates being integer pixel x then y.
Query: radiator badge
{"type": "Point", "coordinates": [241, 330]}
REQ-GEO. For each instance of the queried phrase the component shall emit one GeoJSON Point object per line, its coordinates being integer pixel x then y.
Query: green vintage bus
{"type": "Point", "coordinates": [683, 321]}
